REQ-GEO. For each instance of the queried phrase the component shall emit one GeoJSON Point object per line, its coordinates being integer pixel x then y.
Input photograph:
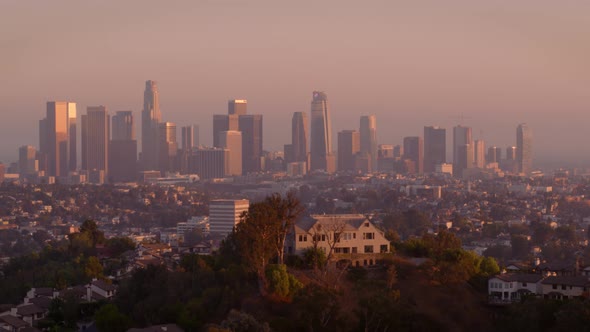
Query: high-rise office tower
{"type": "Point", "coordinates": [479, 154]}
{"type": "Point", "coordinates": [494, 154]}
{"type": "Point", "coordinates": [321, 134]}
{"type": "Point", "coordinates": [150, 120]}
{"type": "Point", "coordinates": [299, 136]}
{"type": "Point", "coordinates": [385, 158]}
{"type": "Point", "coordinates": [123, 148]}
{"type": "Point", "coordinates": [435, 147]}
{"type": "Point", "coordinates": [348, 149]}
{"type": "Point", "coordinates": [398, 151]}
{"type": "Point", "coordinates": [209, 163]}
{"type": "Point", "coordinates": [237, 106]}
{"type": "Point", "coordinates": [251, 127]}
{"type": "Point", "coordinates": [123, 126]}
{"type": "Point", "coordinates": [232, 141]}
{"type": "Point", "coordinates": [72, 137]}
{"type": "Point", "coordinates": [95, 140]}
{"type": "Point", "coordinates": [167, 147]}
{"type": "Point", "coordinates": [511, 153]}
{"type": "Point", "coordinates": [190, 136]}
{"type": "Point", "coordinates": [464, 159]}
{"type": "Point", "coordinates": [55, 139]}
{"type": "Point", "coordinates": [223, 122]}
{"type": "Point", "coordinates": [462, 136]}
{"type": "Point", "coordinates": [368, 134]}
{"type": "Point", "coordinates": [524, 148]}
{"type": "Point", "coordinates": [27, 160]}
{"type": "Point", "coordinates": [225, 214]}
{"type": "Point", "coordinates": [414, 151]}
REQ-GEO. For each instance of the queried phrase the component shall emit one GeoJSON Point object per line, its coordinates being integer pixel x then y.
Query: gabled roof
{"type": "Point", "coordinates": [103, 285]}
{"type": "Point", "coordinates": [351, 221]}
{"type": "Point", "coordinates": [29, 310]}
{"type": "Point", "coordinates": [13, 321]}
{"type": "Point", "coordinates": [580, 281]}
{"type": "Point", "coordinates": [41, 302]}
{"type": "Point", "coordinates": [520, 277]}
{"type": "Point", "coordinates": [158, 328]}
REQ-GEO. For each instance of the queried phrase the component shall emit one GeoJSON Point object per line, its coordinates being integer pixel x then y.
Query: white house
{"type": "Point", "coordinates": [511, 287]}
{"type": "Point", "coordinates": [565, 287]}
{"type": "Point", "coordinates": [345, 233]}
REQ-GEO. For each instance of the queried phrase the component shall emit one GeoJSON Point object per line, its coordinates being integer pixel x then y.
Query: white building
{"type": "Point", "coordinates": [345, 233]}
{"type": "Point", "coordinates": [224, 214]}
{"type": "Point", "coordinates": [201, 223]}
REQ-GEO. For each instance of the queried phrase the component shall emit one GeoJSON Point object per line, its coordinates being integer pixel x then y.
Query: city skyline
{"type": "Point", "coordinates": [410, 64]}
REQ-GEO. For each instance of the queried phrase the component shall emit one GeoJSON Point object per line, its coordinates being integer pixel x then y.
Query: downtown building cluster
{"type": "Point", "coordinates": [109, 147]}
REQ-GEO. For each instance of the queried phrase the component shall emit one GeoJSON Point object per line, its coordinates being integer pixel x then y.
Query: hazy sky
{"type": "Point", "coordinates": [411, 63]}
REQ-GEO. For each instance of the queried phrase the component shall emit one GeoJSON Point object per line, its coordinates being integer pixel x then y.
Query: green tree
{"type": "Point", "coordinates": [489, 267]}
{"type": "Point", "coordinates": [93, 268]}
{"type": "Point", "coordinates": [109, 319]}
{"type": "Point", "coordinates": [281, 283]}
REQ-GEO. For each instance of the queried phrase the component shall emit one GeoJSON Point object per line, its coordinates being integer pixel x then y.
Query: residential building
{"type": "Point", "coordinates": [347, 234]}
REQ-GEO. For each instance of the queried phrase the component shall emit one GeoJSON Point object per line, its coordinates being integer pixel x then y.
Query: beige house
{"type": "Point", "coordinates": [337, 234]}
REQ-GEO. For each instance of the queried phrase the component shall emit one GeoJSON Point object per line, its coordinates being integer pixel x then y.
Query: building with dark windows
{"type": "Point", "coordinates": [321, 134]}
{"type": "Point", "coordinates": [524, 148]}
{"type": "Point", "coordinates": [435, 147]}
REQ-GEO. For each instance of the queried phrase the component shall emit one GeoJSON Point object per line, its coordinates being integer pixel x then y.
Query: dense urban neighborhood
{"type": "Point", "coordinates": [350, 252]}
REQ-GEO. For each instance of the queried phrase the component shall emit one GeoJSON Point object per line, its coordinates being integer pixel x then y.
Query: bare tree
{"type": "Point", "coordinates": [289, 210]}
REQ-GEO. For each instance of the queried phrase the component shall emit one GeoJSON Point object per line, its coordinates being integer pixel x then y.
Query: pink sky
{"type": "Point", "coordinates": [412, 63]}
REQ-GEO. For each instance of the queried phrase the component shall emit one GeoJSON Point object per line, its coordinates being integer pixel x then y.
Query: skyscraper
{"type": "Point", "coordinates": [511, 153]}
{"type": "Point", "coordinates": [27, 162]}
{"type": "Point", "coordinates": [524, 148]}
{"type": "Point", "coordinates": [348, 148]}
{"type": "Point", "coordinates": [368, 137]}
{"type": "Point", "coordinates": [95, 140]}
{"type": "Point", "coordinates": [321, 134]}
{"type": "Point", "coordinates": [464, 159]}
{"type": "Point", "coordinates": [123, 148]}
{"type": "Point", "coordinates": [479, 153]}
{"type": "Point", "coordinates": [414, 151]}
{"type": "Point", "coordinates": [72, 137]}
{"type": "Point", "coordinates": [232, 141]}
{"type": "Point", "coordinates": [209, 163]}
{"type": "Point", "coordinates": [150, 119]}
{"type": "Point", "coordinates": [54, 136]}
{"type": "Point", "coordinates": [299, 136]}
{"type": "Point", "coordinates": [251, 127]}
{"type": "Point", "coordinates": [494, 154]}
{"type": "Point", "coordinates": [190, 136]}
{"type": "Point", "coordinates": [237, 106]}
{"type": "Point", "coordinates": [461, 137]}
{"type": "Point", "coordinates": [223, 122]}
{"type": "Point", "coordinates": [167, 147]}
{"type": "Point", "coordinates": [435, 147]}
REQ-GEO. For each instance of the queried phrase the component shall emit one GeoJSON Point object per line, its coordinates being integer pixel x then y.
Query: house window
{"type": "Point", "coordinates": [368, 249]}
{"type": "Point", "coordinates": [366, 224]}
{"type": "Point", "coordinates": [563, 287]}
{"type": "Point", "coordinates": [323, 238]}
{"type": "Point", "coordinates": [524, 284]}
{"type": "Point", "coordinates": [346, 250]}
{"type": "Point", "coordinates": [337, 250]}
{"type": "Point", "coordinates": [354, 251]}
{"type": "Point", "coordinates": [384, 248]}
{"type": "Point", "coordinates": [554, 286]}
{"type": "Point", "coordinates": [368, 236]}
{"type": "Point", "coordinates": [354, 235]}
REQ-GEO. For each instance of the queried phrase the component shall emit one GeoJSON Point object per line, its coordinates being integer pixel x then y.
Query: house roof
{"type": "Point", "coordinates": [103, 285]}
{"type": "Point", "coordinates": [29, 310]}
{"type": "Point", "coordinates": [557, 266]}
{"type": "Point", "coordinates": [41, 302]}
{"type": "Point", "coordinates": [520, 277]}
{"type": "Point", "coordinates": [351, 221]}
{"type": "Point", "coordinates": [13, 321]}
{"type": "Point", "coordinates": [45, 291]}
{"type": "Point", "coordinates": [580, 281]}
{"type": "Point", "coordinates": [158, 328]}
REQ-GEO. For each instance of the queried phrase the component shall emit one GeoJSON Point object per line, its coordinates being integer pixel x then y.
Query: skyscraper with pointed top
{"type": "Point", "coordinates": [150, 119]}
{"type": "Point", "coordinates": [321, 134]}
